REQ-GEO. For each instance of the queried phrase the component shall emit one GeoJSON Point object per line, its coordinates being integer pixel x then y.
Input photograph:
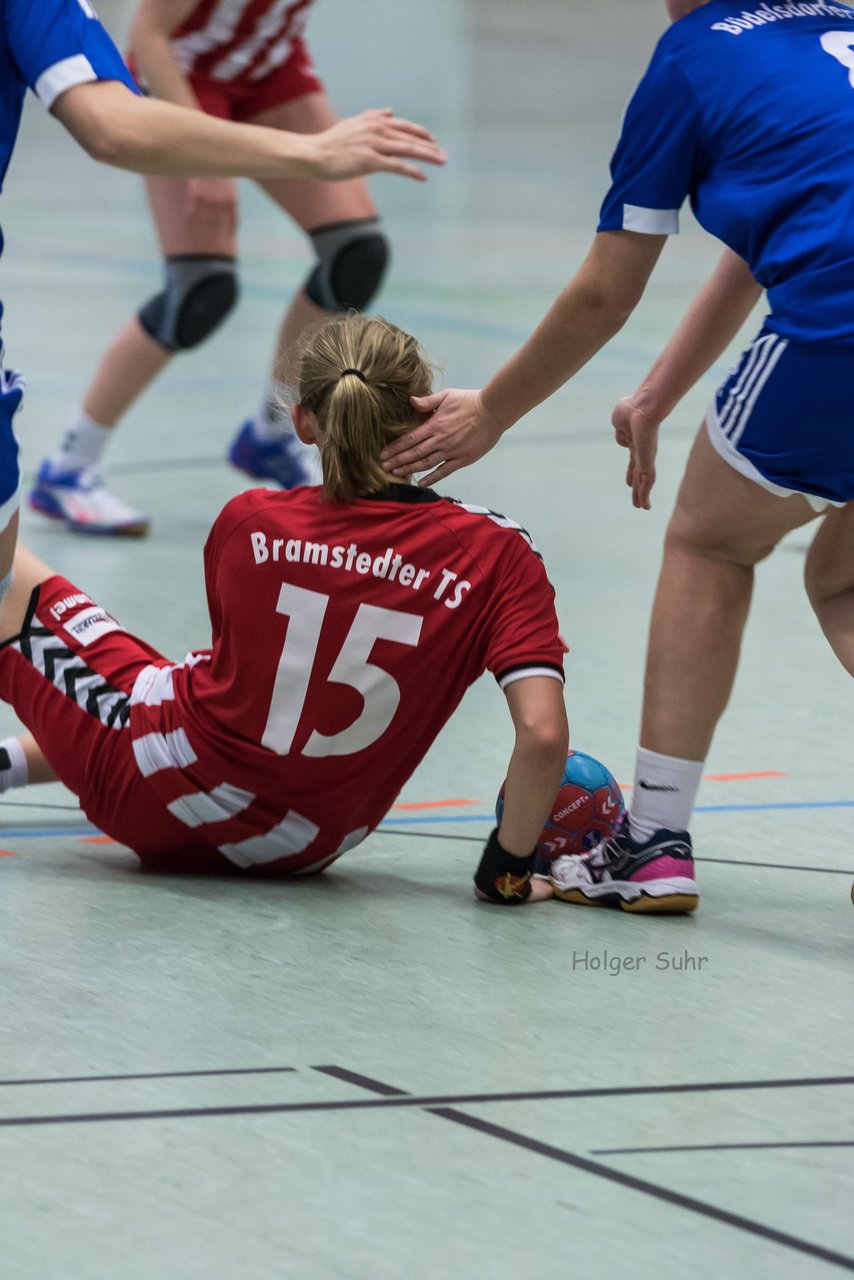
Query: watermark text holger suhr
{"type": "Point", "coordinates": [614, 963]}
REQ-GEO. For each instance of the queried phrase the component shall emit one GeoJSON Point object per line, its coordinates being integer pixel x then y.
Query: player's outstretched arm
{"type": "Point", "coordinates": [590, 310]}
{"type": "Point", "coordinates": [709, 325]}
{"type": "Point", "coordinates": [533, 777]}
{"type": "Point", "coordinates": [147, 136]}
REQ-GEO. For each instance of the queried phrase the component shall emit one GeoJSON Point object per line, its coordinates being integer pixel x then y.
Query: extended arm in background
{"type": "Point", "coordinates": [533, 777]}
{"type": "Point", "coordinates": [709, 325]}
{"type": "Point", "coordinates": [147, 136]}
{"type": "Point", "coordinates": [591, 309]}
{"type": "Point", "coordinates": [150, 48]}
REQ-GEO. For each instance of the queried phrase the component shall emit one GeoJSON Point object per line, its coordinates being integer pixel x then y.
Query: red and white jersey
{"type": "Point", "coordinates": [344, 636]}
{"type": "Point", "coordinates": [239, 39]}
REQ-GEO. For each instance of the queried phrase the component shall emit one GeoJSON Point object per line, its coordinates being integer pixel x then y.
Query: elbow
{"type": "Point", "coordinates": [546, 740]}
{"type": "Point", "coordinates": [109, 141]}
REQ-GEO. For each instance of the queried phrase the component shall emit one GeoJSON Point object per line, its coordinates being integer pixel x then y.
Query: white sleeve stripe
{"type": "Point", "coordinates": [64, 75]}
{"type": "Point", "coordinates": [651, 222]}
{"type": "Point", "coordinates": [522, 673]}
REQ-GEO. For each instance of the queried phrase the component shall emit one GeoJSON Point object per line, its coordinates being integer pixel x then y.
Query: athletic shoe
{"type": "Point", "coordinates": [82, 501]}
{"type": "Point", "coordinates": [656, 875]}
{"type": "Point", "coordinates": [286, 460]}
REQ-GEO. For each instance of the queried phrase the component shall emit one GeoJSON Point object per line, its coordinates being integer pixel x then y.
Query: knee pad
{"type": "Point", "coordinates": [351, 261]}
{"type": "Point", "coordinates": [201, 289]}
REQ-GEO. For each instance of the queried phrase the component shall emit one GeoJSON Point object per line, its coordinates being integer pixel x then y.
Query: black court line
{"type": "Point", "coordinates": [149, 1075]}
{"type": "Point", "coordinates": [406, 1100]}
{"type": "Point", "coordinates": [599, 1170]}
{"type": "Point", "coordinates": [676, 1198]}
{"type": "Point", "coordinates": [719, 1146]}
{"type": "Point", "coordinates": [723, 862]}
{"type": "Point", "coordinates": [363, 1082]}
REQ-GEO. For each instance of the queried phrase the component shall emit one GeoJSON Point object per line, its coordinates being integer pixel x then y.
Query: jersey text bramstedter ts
{"type": "Point", "coordinates": [445, 585]}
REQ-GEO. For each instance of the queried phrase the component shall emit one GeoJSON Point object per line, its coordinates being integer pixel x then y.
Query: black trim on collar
{"type": "Point", "coordinates": [403, 493]}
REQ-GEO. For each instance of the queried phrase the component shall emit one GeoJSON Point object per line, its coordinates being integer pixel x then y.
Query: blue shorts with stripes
{"type": "Point", "coordinates": [785, 418]}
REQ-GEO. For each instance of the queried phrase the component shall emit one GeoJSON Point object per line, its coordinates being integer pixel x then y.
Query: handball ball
{"type": "Point", "coordinates": [588, 808]}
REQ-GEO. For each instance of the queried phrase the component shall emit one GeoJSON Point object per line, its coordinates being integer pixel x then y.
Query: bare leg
{"type": "Point", "coordinates": [134, 359]}
{"type": "Point", "coordinates": [40, 770]}
{"type": "Point", "coordinates": [311, 204]}
{"type": "Point", "coordinates": [723, 525]}
{"type": "Point", "coordinates": [830, 581]}
{"type": "Point", "coordinates": [8, 539]}
{"type": "Point", "coordinates": [27, 572]}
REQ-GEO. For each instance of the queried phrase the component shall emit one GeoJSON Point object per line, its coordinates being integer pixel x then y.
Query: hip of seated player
{"type": "Point", "coordinates": [69, 671]}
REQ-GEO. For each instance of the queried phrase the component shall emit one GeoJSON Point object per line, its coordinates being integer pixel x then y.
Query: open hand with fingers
{"type": "Point", "coordinates": [637, 431]}
{"type": "Point", "coordinates": [377, 141]}
{"type": "Point", "coordinates": [459, 431]}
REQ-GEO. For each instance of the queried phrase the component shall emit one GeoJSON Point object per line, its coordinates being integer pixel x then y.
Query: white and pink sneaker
{"type": "Point", "coordinates": [655, 876]}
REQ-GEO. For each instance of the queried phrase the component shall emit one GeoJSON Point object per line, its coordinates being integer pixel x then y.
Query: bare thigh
{"type": "Point", "coordinates": [27, 572]}
{"type": "Point", "coordinates": [309, 202]}
{"type": "Point", "coordinates": [185, 227]}
{"type": "Point", "coordinates": [830, 563]}
{"type": "Point", "coordinates": [721, 514]}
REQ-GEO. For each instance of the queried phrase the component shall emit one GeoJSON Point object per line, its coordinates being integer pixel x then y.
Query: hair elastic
{"type": "Point", "coordinates": [356, 373]}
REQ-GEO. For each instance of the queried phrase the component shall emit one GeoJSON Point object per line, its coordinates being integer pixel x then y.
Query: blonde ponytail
{"type": "Point", "coordinates": [356, 375]}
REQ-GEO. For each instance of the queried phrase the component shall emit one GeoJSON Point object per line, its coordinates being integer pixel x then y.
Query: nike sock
{"type": "Point", "coordinates": [14, 770]}
{"type": "Point", "coordinates": [82, 445]}
{"type": "Point", "coordinates": [273, 418]}
{"type": "Point", "coordinates": [664, 793]}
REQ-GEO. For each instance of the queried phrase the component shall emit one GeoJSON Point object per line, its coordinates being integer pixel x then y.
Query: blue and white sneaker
{"type": "Point", "coordinates": [84, 504]}
{"type": "Point", "coordinates": [286, 460]}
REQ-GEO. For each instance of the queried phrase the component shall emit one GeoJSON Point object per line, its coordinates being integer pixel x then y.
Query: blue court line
{"type": "Point", "coordinates": [702, 808]}
{"type": "Point", "coordinates": [30, 833]}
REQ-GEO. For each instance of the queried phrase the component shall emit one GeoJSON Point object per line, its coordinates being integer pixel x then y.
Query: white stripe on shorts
{"type": "Point", "coordinates": [753, 361]}
{"type": "Point", "coordinates": [291, 836]}
{"type": "Point", "coordinates": [157, 751]}
{"type": "Point", "coordinates": [754, 390]}
{"type": "Point", "coordinates": [202, 807]}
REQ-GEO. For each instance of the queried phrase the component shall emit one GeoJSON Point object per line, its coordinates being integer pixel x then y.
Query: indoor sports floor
{"type": "Point", "coordinates": [367, 1076]}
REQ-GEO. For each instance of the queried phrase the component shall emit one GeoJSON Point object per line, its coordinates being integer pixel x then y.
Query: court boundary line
{"type": "Point", "coordinates": [408, 1100]}
{"type": "Point", "coordinates": [148, 1075]}
{"type": "Point", "coordinates": [629, 1181]}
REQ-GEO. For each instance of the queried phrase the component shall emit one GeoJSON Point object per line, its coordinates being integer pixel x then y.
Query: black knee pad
{"type": "Point", "coordinates": [351, 261]}
{"type": "Point", "coordinates": [201, 290]}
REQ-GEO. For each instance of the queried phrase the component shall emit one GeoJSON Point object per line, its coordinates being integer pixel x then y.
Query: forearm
{"type": "Point", "coordinates": [533, 779]}
{"type": "Point", "coordinates": [591, 309]}
{"type": "Point", "coordinates": [536, 767]}
{"type": "Point", "coordinates": [708, 327]}
{"type": "Point", "coordinates": [153, 137]}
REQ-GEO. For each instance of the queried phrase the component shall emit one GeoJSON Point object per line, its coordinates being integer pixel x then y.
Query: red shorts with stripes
{"type": "Point", "coordinates": [242, 99]}
{"type": "Point", "coordinates": [69, 676]}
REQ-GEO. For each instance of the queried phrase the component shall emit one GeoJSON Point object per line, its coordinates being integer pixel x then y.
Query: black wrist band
{"type": "Point", "coordinates": [502, 876]}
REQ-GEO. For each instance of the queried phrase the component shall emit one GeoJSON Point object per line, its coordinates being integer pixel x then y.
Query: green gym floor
{"type": "Point", "coordinates": [369, 1076]}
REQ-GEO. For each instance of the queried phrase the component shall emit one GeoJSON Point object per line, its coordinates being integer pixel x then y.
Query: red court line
{"type": "Point", "coordinates": [99, 840]}
{"type": "Point", "coordinates": [436, 804]}
{"type": "Point", "coordinates": [739, 777]}
{"type": "Point", "coordinates": [7, 853]}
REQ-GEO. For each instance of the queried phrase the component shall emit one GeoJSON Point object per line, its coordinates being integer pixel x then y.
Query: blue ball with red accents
{"type": "Point", "coordinates": [589, 807]}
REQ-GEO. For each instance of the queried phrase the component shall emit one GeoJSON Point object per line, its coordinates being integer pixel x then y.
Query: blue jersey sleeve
{"type": "Point", "coordinates": [656, 159]}
{"type": "Point", "coordinates": [60, 43]}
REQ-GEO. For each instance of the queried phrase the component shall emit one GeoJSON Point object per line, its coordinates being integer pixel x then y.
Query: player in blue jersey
{"type": "Point", "coordinates": [59, 49]}
{"type": "Point", "coordinates": [748, 113]}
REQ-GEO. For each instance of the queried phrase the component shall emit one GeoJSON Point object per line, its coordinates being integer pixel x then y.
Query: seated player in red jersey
{"type": "Point", "coordinates": [348, 620]}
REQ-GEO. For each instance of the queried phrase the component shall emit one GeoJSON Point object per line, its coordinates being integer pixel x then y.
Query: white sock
{"type": "Point", "coordinates": [274, 413]}
{"type": "Point", "coordinates": [82, 445]}
{"type": "Point", "coordinates": [664, 794]}
{"type": "Point", "coordinates": [14, 770]}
